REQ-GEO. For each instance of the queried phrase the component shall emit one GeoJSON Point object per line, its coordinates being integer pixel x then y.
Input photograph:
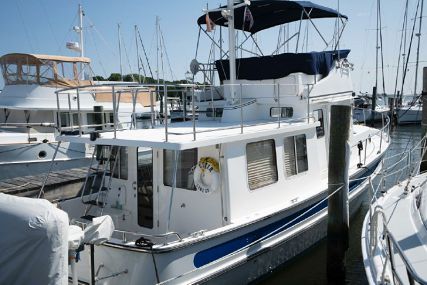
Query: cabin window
{"type": "Point", "coordinates": [69, 119]}
{"type": "Point", "coordinates": [320, 130]}
{"type": "Point", "coordinates": [283, 112]}
{"type": "Point", "coordinates": [145, 187]}
{"type": "Point", "coordinates": [218, 112]}
{"type": "Point", "coordinates": [295, 155]}
{"type": "Point", "coordinates": [187, 160]}
{"type": "Point", "coordinates": [261, 163]}
{"type": "Point", "coordinates": [119, 168]}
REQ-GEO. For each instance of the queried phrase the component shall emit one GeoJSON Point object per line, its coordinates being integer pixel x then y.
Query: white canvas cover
{"type": "Point", "coordinates": [33, 242]}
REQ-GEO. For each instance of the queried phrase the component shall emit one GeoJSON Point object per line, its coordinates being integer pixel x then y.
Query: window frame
{"type": "Point", "coordinates": [274, 153]}
{"type": "Point", "coordinates": [295, 149]}
{"type": "Point", "coordinates": [320, 130]}
{"type": "Point", "coordinates": [283, 111]}
{"type": "Point", "coordinates": [142, 222]}
{"type": "Point", "coordinates": [180, 186]}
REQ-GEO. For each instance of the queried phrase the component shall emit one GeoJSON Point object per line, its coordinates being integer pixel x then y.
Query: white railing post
{"type": "Point", "coordinates": [193, 113]}
{"type": "Point", "coordinates": [165, 114]}
{"type": "Point", "coordinates": [241, 109]}
{"type": "Point", "coordinates": [279, 117]}
{"type": "Point", "coordinates": [79, 114]}
{"type": "Point", "coordinates": [113, 95]}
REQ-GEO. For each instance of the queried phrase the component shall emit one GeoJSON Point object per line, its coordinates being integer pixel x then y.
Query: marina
{"type": "Point", "coordinates": [265, 161]}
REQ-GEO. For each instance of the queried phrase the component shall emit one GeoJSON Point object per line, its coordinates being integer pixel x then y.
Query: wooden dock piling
{"type": "Point", "coordinates": [338, 208]}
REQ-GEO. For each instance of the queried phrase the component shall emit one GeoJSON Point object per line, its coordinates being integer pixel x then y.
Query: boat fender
{"type": "Point", "coordinates": [206, 175]}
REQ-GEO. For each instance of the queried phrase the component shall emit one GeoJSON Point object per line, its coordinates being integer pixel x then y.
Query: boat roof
{"type": "Point", "coordinates": [271, 13]}
{"type": "Point", "coordinates": [281, 65]}
{"type": "Point", "coordinates": [180, 135]}
{"type": "Point", "coordinates": [37, 58]}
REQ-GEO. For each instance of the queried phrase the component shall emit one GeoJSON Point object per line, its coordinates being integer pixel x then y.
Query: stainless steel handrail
{"type": "Point", "coordinates": [392, 246]}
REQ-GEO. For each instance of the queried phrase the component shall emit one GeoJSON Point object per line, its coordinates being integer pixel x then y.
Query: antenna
{"type": "Point", "coordinates": [78, 46]}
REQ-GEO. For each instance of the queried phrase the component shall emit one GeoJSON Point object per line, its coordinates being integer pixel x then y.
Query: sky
{"type": "Point", "coordinates": [44, 26]}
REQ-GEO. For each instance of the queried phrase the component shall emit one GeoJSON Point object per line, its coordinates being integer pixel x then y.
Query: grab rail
{"type": "Point", "coordinates": [393, 247]}
{"type": "Point", "coordinates": [68, 100]}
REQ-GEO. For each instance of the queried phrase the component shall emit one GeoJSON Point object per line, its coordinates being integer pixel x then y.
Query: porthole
{"type": "Point", "coordinates": [42, 154]}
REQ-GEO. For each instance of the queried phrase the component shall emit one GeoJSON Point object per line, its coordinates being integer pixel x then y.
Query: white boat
{"type": "Point", "coordinates": [233, 195]}
{"type": "Point", "coordinates": [362, 111]}
{"type": "Point", "coordinates": [410, 112]}
{"type": "Point", "coordinates": [394, 235]}
{"type": "Point", "coordinates": [29, 116]}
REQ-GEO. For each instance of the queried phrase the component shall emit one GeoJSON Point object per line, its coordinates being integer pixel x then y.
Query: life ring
{"type": "Point", "coordinates": [206, 175]}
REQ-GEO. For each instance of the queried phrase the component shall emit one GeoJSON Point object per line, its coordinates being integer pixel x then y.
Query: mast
{"type": "Point", "coordinates": [418, 48]}
{"type": "Point", "coordinates": [376, 45]}
{"type": "Point", "coordinates": [232, 48]}
{"type": "Point", "coordinates": [137, 53]}
{"type": "Point", "coordinates": [120, 52]}
{"type": "Point", "coordinates": [158, 50]}
{"type": "Point", "coordinates": [82, 75]}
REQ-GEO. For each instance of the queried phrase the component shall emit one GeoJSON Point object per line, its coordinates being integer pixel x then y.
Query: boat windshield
{"type": "Point", "coordinates": [25, 69]}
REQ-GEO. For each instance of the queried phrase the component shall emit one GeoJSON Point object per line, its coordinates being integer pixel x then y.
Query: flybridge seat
{"type": "Point", "coordinates": [281, 65]}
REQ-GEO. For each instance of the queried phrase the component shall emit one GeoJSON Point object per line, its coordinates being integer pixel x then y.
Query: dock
{"type": "Point", "coordinates": [60, 184]}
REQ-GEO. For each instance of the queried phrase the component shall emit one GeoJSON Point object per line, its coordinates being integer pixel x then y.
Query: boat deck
{"type": "Point", "coordinates": [404, 226]}
{"type": "Point", "coordinates": [180, 135]}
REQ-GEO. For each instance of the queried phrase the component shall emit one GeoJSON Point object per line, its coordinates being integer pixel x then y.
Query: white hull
{"type": "Point", "coordinates": [409, 115]}
{"type": "Point", "coordinates": [238, 256]}
{"type": "Point", "coordinates": [19, 160]}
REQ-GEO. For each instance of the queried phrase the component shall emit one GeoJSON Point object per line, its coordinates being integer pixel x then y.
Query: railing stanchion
{"type": "Point", "coordinates": [165, 114]}
{"type": "Point", "coordinates": [79, 114]}
{"type": "Point", "coordinates": [134, 98]}
{"type": "Point", "coordinates": [70, 114]}
{"type": "Point", "coordinates": [241, 109]}
{"type": "Point", "coordinates": [58, 114]}
{"type": "Point", "coordinates": [152, 109]}
{"type": "Point", "coordinates": [382, 130]}
{"type": "Point", "coordinates": [308, 103]}
{"type": "Point", "coordinates": [279, 116]}
{"type": "Point", "coordinates": [193, 112]}
{"type": "Point", "coordinates": [113, 95]}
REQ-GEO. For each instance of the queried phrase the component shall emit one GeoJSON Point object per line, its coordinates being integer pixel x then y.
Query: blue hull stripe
{"type": "Point", "coordinates": [211, 254]}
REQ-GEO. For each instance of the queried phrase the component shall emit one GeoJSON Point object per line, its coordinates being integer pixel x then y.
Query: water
{"type": "Point", "coordinates": [310, 267]}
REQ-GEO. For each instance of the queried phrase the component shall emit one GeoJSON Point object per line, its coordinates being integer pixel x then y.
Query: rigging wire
{"type": "Point", "coordinates": [381, 44]}
{"type": "Point", "coordinates": [43, 8]}
{"type": "Point", "coordinates": [145, 53]}
{"type": "Point", "coordinates": [400, 48]}
{"type": "Point", "coordinates": [162, 39]}
{"type": "Point", "coordinates": [409, 49]}
{"type": "Point", "coordinates": [92, 38]}
{"type": "Point", "coordinates": [24, 26]}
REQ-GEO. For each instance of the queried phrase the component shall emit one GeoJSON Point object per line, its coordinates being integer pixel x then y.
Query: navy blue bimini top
{"type": "Point", "coordinates": [281, 65]}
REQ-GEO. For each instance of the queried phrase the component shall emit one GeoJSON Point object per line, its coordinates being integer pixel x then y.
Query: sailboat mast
{"type": "Point", "coordinates": [418, 48]}
{"type": "Point", "coordinates": [82, 53]}
{"type": "Point", "coordinates": [232, 48]}
{"type": "Point", "coordinates": [376, 44]}
{"type": "Point", "coordinates": [120, 51]}
{"type": "Point", "coordinates": [137, 53]}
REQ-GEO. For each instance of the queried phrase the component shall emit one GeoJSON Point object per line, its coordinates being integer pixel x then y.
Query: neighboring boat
{"type": "Point", "coordinates": [28, 110]}
{"type": "Point", "coordinates": [240, 191]}
{"type": "Point", "coordinates": [410, 112]}
{"type": "Point", "coordinates": [394, 234]}
{"type": "Point", "coordinates": [29, 117]}
{"type": "Point", "coordinates": [362, 109]}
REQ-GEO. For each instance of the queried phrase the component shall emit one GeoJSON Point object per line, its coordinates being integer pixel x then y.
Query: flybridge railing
{"type": "Point", "coordinates": [79, 109]}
